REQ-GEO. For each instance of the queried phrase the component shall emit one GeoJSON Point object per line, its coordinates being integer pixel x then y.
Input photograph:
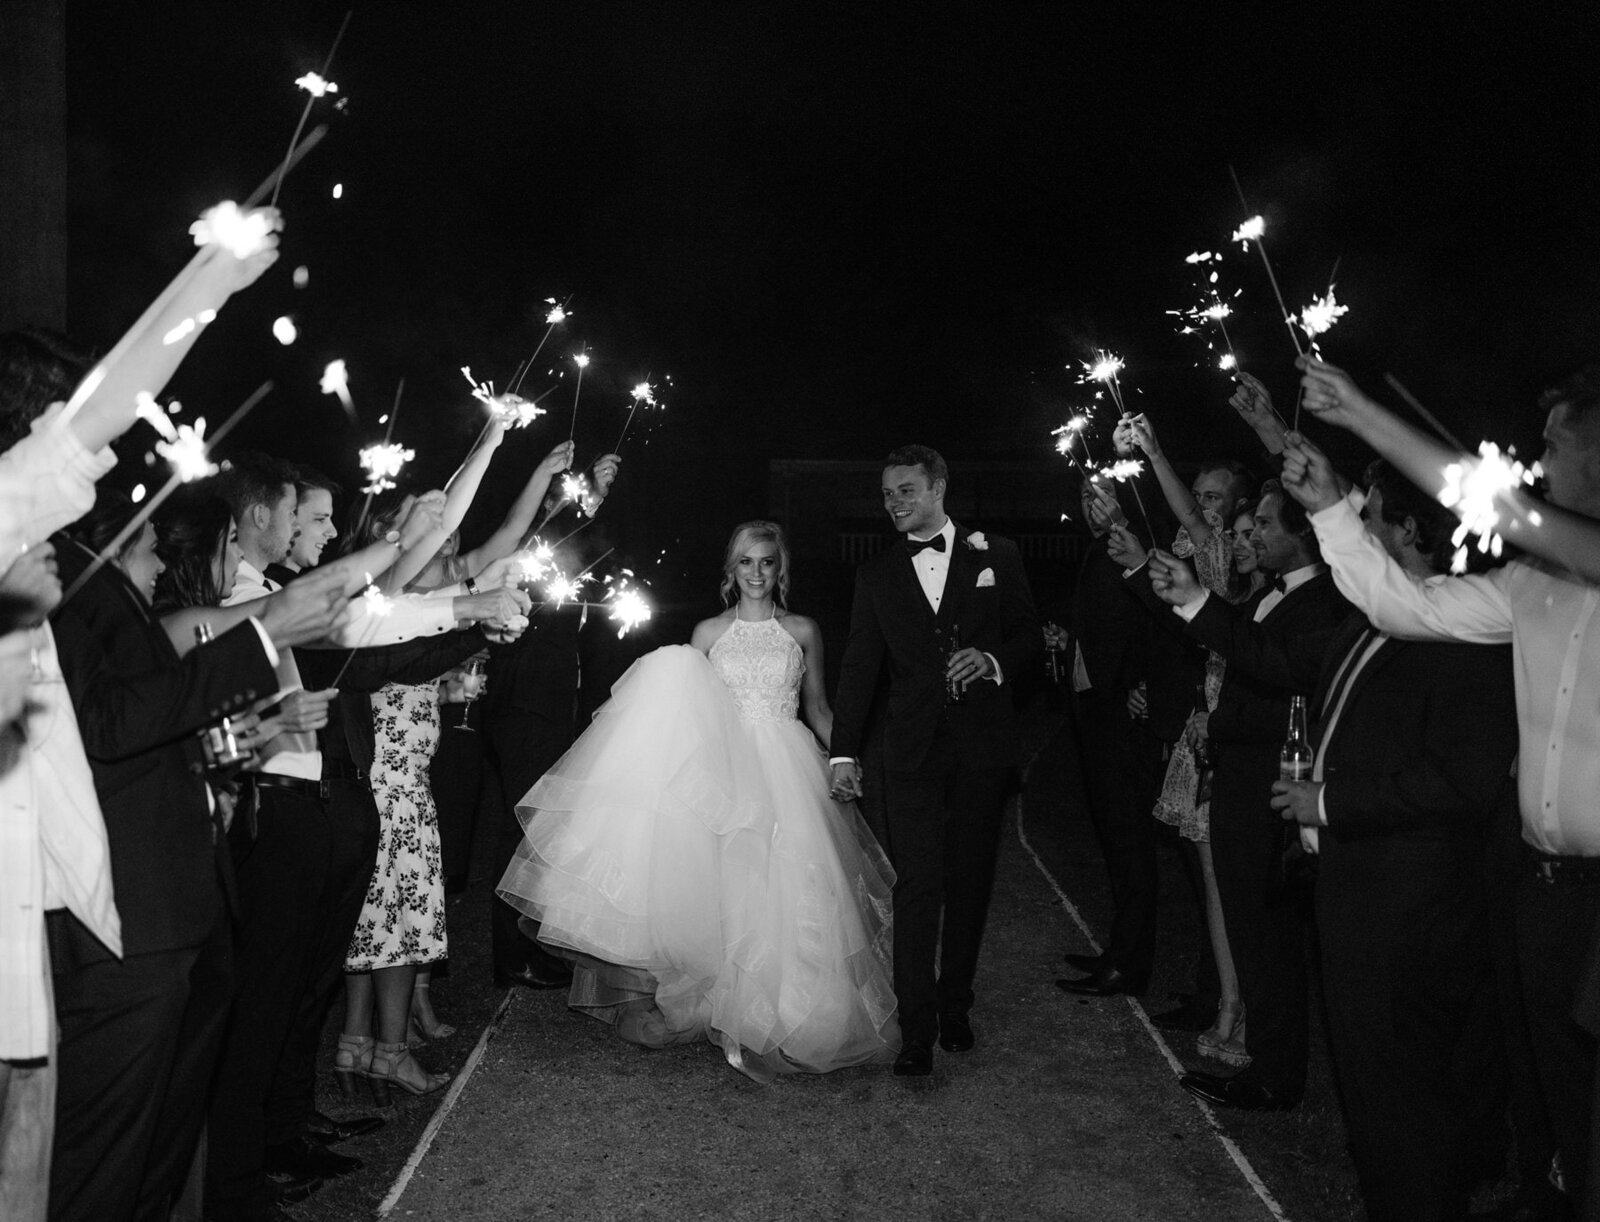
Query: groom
{"type": "Point", "coordinates": [946, 612]}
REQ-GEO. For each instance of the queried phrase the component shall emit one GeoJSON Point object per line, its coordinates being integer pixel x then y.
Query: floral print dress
{"type": "Point", "coordinates": [402, 920]}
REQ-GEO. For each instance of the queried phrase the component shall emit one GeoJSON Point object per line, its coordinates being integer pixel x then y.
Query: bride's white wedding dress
{"type": "Point", "coordinates": [689, 833]}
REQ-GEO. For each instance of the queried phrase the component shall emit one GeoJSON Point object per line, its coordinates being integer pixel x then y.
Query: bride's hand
{"type": "Point", "coordinates": [846, 781]}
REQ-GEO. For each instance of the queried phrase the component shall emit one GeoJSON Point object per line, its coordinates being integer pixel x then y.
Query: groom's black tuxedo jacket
{"type": "Point", "coordinates": [139, 706]}
{"type": "Point", "coordinates": [891, 623]}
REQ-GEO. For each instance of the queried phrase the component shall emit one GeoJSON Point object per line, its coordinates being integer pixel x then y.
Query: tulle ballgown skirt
{"type": "Point", "coordinates": [678, 838]}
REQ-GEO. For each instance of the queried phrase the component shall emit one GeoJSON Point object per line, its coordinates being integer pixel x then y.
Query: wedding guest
{"type": "Point", "coordinates": [1246, 730]}
{"type": "Point", "coordinates": [964, 631]}
{"type": "Point", "coordinates": [314, 527]}
{"type": "Point", "coordinates": [1543, 604]}
{"type": "Point", "coordinates": [1110, 646]}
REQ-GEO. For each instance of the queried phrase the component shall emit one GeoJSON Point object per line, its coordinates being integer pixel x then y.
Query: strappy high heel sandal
{"type": "Point", "coordinates": [393, 1065]}
{"type": "Point", "coordinates": [1224, 1040]}
{"type": "Point", "coordinates": [423, 1020]}
{"type": "Point", "coordinates": [351, 1064]}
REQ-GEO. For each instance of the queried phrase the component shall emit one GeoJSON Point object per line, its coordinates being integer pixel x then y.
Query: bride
{"type": "Point", "coordinates": [685, 853]}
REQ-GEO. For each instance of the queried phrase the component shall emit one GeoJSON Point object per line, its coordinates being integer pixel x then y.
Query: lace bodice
{"type": "Point", "coordinates": [762, 666]}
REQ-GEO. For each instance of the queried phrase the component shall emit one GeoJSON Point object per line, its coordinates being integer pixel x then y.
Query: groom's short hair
{"type": "Point", "coordinates": [930, 460]}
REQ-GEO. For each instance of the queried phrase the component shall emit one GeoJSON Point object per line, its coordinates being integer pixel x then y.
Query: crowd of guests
{"type": "Point", "coordinates": [218, 780]}
{"type": "Point", "coordinates": [1432, 855]}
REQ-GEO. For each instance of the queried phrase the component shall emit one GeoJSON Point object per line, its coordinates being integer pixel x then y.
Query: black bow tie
{"type": "Point", "coordinates": [916, 545]}
{"type": "Point", "coordinates": [1280, 585]}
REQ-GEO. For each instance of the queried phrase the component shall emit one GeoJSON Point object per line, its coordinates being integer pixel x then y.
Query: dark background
{"type": "Point", "coordinates": [839, 228]}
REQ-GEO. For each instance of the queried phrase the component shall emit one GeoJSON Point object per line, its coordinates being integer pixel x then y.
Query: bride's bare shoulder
{"type": "Point", "coordinates": [707, 631]}
{"type": "Point", "coordinates": [803, 629]}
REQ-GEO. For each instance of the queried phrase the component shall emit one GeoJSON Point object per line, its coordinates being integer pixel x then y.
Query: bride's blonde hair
{"type": "Point", "coordinates": [744, 535]}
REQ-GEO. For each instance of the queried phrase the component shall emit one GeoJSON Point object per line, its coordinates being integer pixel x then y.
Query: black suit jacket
{"type": "Point", "coordinates": [892, 625]}
{"type": "Point", "coordinates": [1113, 638]}
{"type": "Point", "coordinates": [139, 707]}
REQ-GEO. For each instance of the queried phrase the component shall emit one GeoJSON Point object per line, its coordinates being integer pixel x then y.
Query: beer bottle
{"type": "Point", "coordinates": [1294, 761]}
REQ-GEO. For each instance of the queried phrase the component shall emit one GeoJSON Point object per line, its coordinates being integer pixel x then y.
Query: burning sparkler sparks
{"type": "Point", "coordinates": [512, 410]}
{"type": "Point", "coordinates": [1250, 231]}
{"type": "Point", "coordinates": [1122, 470]}
{"type": "Point", "coordinates": [556, 313]}
{"type": "Point", "coordinates": [241, 234]}
{"type": "Point", "coordinates": [182, 445]}
{"type": "Point", "coordinates": [313, 84]}
{"type": "Point", "coordinates": [375, 601]}
{"type": "Point", "coordinates": [1105, 368]}
{"type": "Point", "coordinates": [336, 381]}
{"type": "Point", "coordinates": [644, 395]}
{"type": "Point", "coordinates": [383, 463]}
{"type": "Point", "coordinates": [1471, 490]}
{"type": "Point", "coordinates": [628, 607]}
{"type": "Point", "coordinates": [284, 330]}
{"type": "Point", "coordinates": [1318, 317]}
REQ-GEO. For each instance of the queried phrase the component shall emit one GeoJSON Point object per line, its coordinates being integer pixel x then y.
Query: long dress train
{"type": "Point", "coordinates": [689, 834]}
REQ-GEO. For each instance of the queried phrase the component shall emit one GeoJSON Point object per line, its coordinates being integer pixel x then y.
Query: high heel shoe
{"type": "Point", "coordinates": [352, 1062]}
{"type": "Point", "coordinates": [393, 1065]}
{"type": "Point", "coordinates": [423, 1019]}
{"type": "Point", "coordinates": [1224, 1040]}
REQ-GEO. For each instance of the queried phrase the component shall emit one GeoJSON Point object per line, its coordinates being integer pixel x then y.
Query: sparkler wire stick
{"type": "Point", "coordinates": [1414, 405]}
{"type": "Point", "coordinates": [583, 363]}
{"type": "Point", "coordinates": [1261, 249]}
{"type": "Point", "coordinates": [311, 100]}
{"type": "Point", "coordinates": [562, 310]}
{"type": "Point", "coordinates": [136, 523]}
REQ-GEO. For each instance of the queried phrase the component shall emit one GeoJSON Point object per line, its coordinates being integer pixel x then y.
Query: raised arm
{"type": "Point", "coordinates": [1179, 499]}
{"type": "Point", "coordinates": [1254, 405]}
{"type": "Point", "coordinates": [519, 519]}
{"type": "Point", "coordinates": [102, 408]}
{"type": "Point", "coordinates": [458, 497]}
{"type": "Point", "coordinates": [1554, 534]}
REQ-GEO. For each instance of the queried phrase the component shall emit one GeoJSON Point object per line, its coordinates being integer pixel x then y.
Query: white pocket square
{"type": "Point", "coordinates": [985, 578]}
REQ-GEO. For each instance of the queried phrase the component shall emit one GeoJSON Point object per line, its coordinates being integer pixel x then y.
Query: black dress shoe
{"type": "Point", "coordinates": [308, 1159]}
{"type": "Point", "coordinates": [1084, 963]}
{"type": "Point", "coordinates": [915, 1060]}
{"type": "Point", "coordinates": [1107, 982]}
{"type": "Point", "coordinates": [286, 1188]}
{"type": "Point", "coordinates": [531, 977]}
{"type": "Point", "coordinates": [1239, 1092]}
{"type": "Point", "coordinates": [328, 1131]}
{"type": "Point", "coordinates": [955, 1033]}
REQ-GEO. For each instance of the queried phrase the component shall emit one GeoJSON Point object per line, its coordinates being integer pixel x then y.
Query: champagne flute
{"type": "Point", "coordinates": [472, 681]}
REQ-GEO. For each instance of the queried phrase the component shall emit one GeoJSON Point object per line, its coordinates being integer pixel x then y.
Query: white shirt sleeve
{"type": "Point", "coordinates": [409, 616]}
{"type": "Point", "coordinates": [1475, 609]}
{"type": "Point", "coordinates": [1190, 609]}
{"type": "Point", "coordinates": [46, 482]}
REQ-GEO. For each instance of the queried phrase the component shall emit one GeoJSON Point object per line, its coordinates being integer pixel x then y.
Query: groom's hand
{"type": "Point", "coordinates": [846, 781]}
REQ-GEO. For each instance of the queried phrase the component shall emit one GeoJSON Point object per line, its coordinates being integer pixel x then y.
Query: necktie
{"type": "Point", "coordinates": [916, 545]}
{"type": "Point", "coordinates": [1278, 584]}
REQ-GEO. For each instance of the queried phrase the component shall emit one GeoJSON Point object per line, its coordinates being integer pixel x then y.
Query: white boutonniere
{"type": "Point", "coordinates": [985, 578]}
{"type": "Point", "coordinates": [977, 542]}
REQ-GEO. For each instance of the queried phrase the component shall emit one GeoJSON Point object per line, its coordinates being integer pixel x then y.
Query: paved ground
{"type": "Point", "coordinates": [1065, 1110]}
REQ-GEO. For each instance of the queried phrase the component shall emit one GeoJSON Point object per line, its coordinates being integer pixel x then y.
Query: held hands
{"type": "Point", "coordinates": [1123, 546]}
{"type": "Point", "coordinates": [846, 781]}
{"type": "Point", "coordinates": [32, 578]}
{"type": "Point", "coordinates": [1297, 801]}
{"type": "Point", "coordinates": [1139, 702]}
{"type": "Point", "coordinates": [420, 517]}
{"type": "Point", "coordinates": [495, 608]}
{"type": "Point", "coordinates": [1141, 433]}
{"type": "Point", "coordinates": [1309, 476]}
{"type": "Point", "coordinates": [1332, 395]}
{"type": "Point", "coordinates": [605, 473]}
{"type": "Point", "coordinates": [307, 609]}
{"type": "Point", "coordinates": [1172, 579]}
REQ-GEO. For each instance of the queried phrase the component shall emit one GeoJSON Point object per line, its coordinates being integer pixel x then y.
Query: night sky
{"type": "Point", "coordinates": [839, 228]}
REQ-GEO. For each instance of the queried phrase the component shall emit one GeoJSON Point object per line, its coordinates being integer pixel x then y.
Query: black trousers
{"type": "Point", "coordinates": [523, 745]}
{"type": "Point", "coordinates": [1405, 966]}
{"type": "Point", "coordinates": [456, 778]}
{"type": "Point", "coordinates": [944, 829]}
{"type": "Point", "coordinates": [282, 881]}
{"type": "Point", "coordinates": [1124, 825]}
{"type": "Point", "coordinates": [1555, 925]}
{"type": "Point", "coordinates": [138, 1051]}
{"type": "Point", "coordinates": [1267, 927]}
{"type": "Point", "coordinates": [352, 838]}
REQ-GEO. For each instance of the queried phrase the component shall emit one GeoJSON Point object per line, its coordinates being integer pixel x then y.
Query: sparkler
{"type": "Point", "coordinates": [242, 234]}
{"type": "Point", "coordinates": [1126, 471]}
{"type": "Point", "coordinates": [629, 608]}
{"type": "Point", "coordinates": [314, 92]}
{"type": "Point", "coordinates": [1105, 368]}
{"type": "Point", "coordinates": [1412, 401]}
{"type": "Point", "coordinates": [554, 316]}
{"type": "Point", "coordinates": [1318, 317]}
{"type": "Point", "coordinates": [642, 393]}
{"type": "Point", "coordinates": [1471, 490]}
{"type": "Point", "coordinates": [336, 381]}
{"type": "Point", "coordinates": [1064, 436]}
{"type": "Point", "coordinates": [1214, 312]}
{"type": "Point", "coordinates": [511, 409]}
{"type": "Point", "coordinates": [180, 452]}
{"type": "Point", "coordinates": [1252, 231]}
{"type": "Point", "coordinates": [383, 463]}
{"type": "Point", "coordinates": [582, 362]}
{"type": "Point", "coordinates": [284, 330]}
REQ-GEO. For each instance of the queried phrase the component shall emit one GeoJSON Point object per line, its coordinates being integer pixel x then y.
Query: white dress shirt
{"type": "Point", "coordinates": [1548, 616]}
